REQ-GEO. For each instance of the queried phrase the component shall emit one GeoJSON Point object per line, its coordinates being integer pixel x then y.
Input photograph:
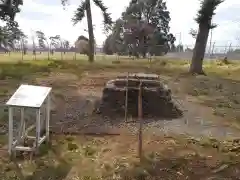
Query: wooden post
{"type": "Point", "coordinates": [140, 114]}
{"type": "Point", "coordinates": [38, 128]}
{"type": "Point", "coordinates": [126, 99]}
{"type": "Point", "coordinates": [10, 130]}
{"type": "Point", "coordinates": [21, 131]}
{"type": "Point", "coordinates": [48, 117]}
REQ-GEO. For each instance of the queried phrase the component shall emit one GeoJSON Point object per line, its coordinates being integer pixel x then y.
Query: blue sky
{"type": "Point", "coordinates": [49, 17]}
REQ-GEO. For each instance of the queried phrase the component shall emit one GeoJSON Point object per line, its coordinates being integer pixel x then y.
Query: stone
{"type": "Point", "coordinates": [140, 76]}
{"type": "Point", "coordinates": [156, 97]}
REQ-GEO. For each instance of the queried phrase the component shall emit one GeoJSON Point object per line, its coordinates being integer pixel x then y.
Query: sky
{"type": "Point", "coordinates": [50, 17]}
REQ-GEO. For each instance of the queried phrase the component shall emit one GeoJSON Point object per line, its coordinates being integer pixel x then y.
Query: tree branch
{"type": "Point", "coordinates": [79, 13]}
{"type": "Point", "coordinates": [107, 20]}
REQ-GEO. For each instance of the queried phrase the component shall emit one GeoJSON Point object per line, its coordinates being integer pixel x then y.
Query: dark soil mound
{"type": "Point", "coordinates": [157, 100]}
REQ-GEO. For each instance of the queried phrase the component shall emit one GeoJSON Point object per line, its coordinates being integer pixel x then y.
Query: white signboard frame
{"type": "Point", "coordinates": [29, 96]}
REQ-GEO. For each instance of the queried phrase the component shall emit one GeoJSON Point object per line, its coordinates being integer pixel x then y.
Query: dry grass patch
{"type": "Point", "coordinates": [165, 157]}
{"type": "Point", "coordinates": [88, 157]}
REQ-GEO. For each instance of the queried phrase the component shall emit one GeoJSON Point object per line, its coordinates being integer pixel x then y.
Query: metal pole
{"type": "Point", "coordinates": [38, 129]}
{"type": "Point", "coordinates": [229, 48]}
{"type": "Point", "coordinates": [21, 131]}
{"type": "Point", "coordinates": [180, 38]}
{"type": "Point", "coordinates": [210, 44]}
{"type": "Point", "coordinates": [61, 50]}
{"type": "Point", "coordinates": [48, 117]}
{"type": "Point", "coordinates": [213, 46]}
{"type": "Point", "coordinates": [126, 99]}
{"type": "Point", "coordinates": [140, 114]}
{"type": "Point", "coordinates": [22, 47]}
{"type": "Point", "coordinates": [225, 50]}
{"type": "Point", "coordinates": [10, 130]}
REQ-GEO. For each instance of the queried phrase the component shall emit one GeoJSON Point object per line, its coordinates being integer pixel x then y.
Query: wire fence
{"type": "Point", "coordinates": [178, 52]}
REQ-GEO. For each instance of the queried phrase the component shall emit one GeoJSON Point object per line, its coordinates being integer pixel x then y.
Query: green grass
{"type": "Point", "coordinates": [218, 89]}
{"type": "Point", "coordinates": [56, 56]}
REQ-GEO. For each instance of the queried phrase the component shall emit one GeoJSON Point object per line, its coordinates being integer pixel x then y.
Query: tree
{"type": "Point", "coordinates": [41, 39]}
{"type": "Point", "coordinates": [179, 48]}
{"type": "Point", "coordinates": [107, 48]}
{"type": "Point", "coordinates": [204, 20]}
{"type": "Point", "coordinates": [41, 42]}
{"type": "Point", "coordinates": [24, 45]}
{"type": "Point", "coordinates": [193, 33]}
{"type": "Point", "coordinates": [80, 14]}
{"type": "Point", "coordinates": [11, 35]}
{"type": "Point", "coordinates": [53, 43]}
{"type": "Point", "coordinates": [66, 44]}
{"type": "Point", "coordinates": [58, 43]}
{"type": "Point", "coordinates": [144, 26]}
{"type": "Point", "coordinates": [82, 45]}
{"type": "Point", "coordinates": [34, 46]}
{"type": "Point", "coordinates": [9, 9]}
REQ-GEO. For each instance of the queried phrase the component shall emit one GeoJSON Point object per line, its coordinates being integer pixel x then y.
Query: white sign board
{"type": "Point", "coordinates": [29, 96]}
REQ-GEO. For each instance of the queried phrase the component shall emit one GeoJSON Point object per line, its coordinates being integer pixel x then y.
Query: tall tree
{"type": "Point", "coordinates": [41, 39]}
{"type": "Point", "coordinates": [107, 48]}
{"type": "Point", "coordinates": [10, 34]}
{"type": "Point", "coordinates": [53, 42]}
{"type": "Point", "coordinates": [193, 33]}
{"type": "Point", "coordinates": [204, 20]}
{"type": "Point", "coordinates": [24, 43]}
{"type": "Point", "coordinates": [144, 26]}
{"type": "Point", "coordinates": [80, 14]}
{"type": "Point", "coordinates": [66, 44]}
{"type": "Point", "coordinates": [58, 43]}
{"type": "Point", "coordinates": [9, 9]}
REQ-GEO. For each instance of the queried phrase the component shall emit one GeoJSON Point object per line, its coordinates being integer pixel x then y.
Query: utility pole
{"type": "Point", "coordinates": [230, 47]}
{"type": "Point", "coordinates": [213, 46]}
{"type": "Point", "coordinates": [179, 41]}
{"type": "Point", "coordinates": [210, 43]}
{"type": "Point", "coordinates": [180, 38]}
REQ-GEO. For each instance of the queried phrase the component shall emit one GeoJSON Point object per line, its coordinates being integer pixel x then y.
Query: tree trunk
{"type": "Point", "coordinates": [48, 52]}
{"type": "Point", "coordinates": [22, 48]}
{"type": "Point", "coordinates": [90, 31]}
{"type": "Point", "coordinates": [61, 51]}
{"type": "Point", "coordinates": [199, 50]}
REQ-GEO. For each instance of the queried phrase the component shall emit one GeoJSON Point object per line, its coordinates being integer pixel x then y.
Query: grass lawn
{"type": "Point", "coordinates": [216, 97]}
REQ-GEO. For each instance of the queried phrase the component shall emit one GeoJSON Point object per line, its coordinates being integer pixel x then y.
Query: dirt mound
{"type": "Point", "coordinates": [157, 100]}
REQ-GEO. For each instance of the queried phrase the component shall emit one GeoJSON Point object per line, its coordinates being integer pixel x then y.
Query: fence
{"type": "Point", "coordinates": [212, 52]}
{"type": "Point", "coordinates": [183, 52]}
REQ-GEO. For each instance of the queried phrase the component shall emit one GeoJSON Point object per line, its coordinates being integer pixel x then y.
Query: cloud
{"type": "Point", "coordinates": [51, 18]}
{"type": "Point", "coordinates": [183, 19]}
